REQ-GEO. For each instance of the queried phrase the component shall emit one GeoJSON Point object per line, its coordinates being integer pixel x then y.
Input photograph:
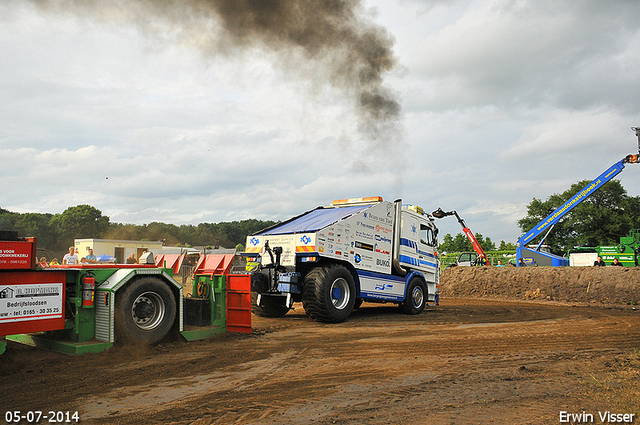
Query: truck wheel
{"type": "Point", "coordinates": [145, 311]}
{"type": "Point", "coordinates": [416, 297]}
{"type": "Point", "coordinates": [329, 294]}
{"type": "Point", "coordinates": [269, 307]}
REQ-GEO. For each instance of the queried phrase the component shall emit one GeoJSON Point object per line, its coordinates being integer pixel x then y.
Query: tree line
{"type": "Point", "coordinates": [601, 219]}
{"type": "Point", "coordinates": [57, 232]}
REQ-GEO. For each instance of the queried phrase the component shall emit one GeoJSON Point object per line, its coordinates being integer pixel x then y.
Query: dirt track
{"type": "Point", "coordinates": [467, 361]}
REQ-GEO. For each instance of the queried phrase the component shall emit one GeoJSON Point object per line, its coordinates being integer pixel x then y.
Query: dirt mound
{"type": "Point", "coordinates": [598, 285]}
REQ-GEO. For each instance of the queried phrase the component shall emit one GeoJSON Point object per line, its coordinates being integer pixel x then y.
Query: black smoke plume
{"type": "Point", "coordinates": [348, 51]}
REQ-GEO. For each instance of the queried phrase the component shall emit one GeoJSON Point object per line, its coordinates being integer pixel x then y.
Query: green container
{"type": "Point", "coordinates": [213, 288]}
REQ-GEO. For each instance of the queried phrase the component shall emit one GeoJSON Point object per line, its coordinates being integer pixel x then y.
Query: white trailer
{"type": "Point", "coordinates": [335, 257]}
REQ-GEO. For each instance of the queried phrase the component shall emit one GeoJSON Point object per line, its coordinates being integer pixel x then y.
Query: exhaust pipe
{"type": "Point", "coordinates": [396, 237]}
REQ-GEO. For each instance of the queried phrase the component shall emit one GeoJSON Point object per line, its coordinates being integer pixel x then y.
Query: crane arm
{"type": "Point", "coordinates": [576, 199]}
{"type": "Point", "coordinates": [439, 213]}
{"type": "Point", "coordinates": [549, 221]}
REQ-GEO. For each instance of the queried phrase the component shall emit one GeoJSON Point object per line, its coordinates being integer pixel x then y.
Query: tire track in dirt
{"type": "Point", "coordinates": [467, 361]}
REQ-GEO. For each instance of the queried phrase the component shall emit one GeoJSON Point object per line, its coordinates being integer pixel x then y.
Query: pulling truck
{"type": "Point", "coordinates": [535, 256]}
{"type": "Point", "coordinates": [479, 258]}
{"type": "Point", "coordinates": [89, 307]}
{"type": "Point", "coordinates": [333, 258]}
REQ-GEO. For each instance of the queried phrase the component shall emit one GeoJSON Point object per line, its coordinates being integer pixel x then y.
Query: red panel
{"type": "Point", "coordinates": [216, 264]}
{"type": "Point", "coordinates": [239, 303]}
{"type": "Point", "coordinates": [32, 301]}
{"type": "Point", "coordinates": [18, 254]}
{"type": "Point", "coordinates": [171, 261]}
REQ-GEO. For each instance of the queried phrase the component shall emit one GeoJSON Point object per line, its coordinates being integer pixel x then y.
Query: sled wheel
{"type": "Point", "coordinates": [145, 311]}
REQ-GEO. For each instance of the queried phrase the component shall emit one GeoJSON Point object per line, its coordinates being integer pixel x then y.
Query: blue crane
{"type": "Point", "coordinates": [528, 256]}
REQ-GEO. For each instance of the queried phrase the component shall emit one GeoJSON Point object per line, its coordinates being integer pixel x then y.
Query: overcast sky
{"type": "Point", "coordinates": [152, 118]}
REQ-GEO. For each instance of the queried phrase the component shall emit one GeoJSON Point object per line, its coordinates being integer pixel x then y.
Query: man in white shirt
{"type": "Point", "coordinates": [71, 257]}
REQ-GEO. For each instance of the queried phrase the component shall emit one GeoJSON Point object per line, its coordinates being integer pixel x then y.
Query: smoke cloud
{"type": "Point", "coordinates": [348, 51]}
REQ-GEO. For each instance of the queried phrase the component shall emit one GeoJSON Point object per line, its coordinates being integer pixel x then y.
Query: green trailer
{"type": "Point", "coordinates": [626, 251]}
{"type": "Point", "coordinates": [90, 307]}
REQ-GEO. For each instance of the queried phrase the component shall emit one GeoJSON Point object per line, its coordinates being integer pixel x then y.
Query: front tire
{"type": "Point", "coordinates": [329, 294]}
{"type": "Point", "coordinates": [145, 311]}
{"type": "Point", "coordinates": [416, 298]}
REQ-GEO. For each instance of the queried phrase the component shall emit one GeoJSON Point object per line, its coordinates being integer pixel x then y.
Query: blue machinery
{"type": "Point", "coordinates": [535, 256]}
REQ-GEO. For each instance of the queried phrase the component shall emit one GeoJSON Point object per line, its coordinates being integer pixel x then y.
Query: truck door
{"type": "Point", "coordinates": [418, 244]}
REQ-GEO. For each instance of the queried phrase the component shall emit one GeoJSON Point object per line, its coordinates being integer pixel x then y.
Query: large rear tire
{"type": "Point", "coordinates": [329, 294]}
{"type": "Point", "coordinates": [268, 307]}
{"type": "Point", "coordinates": [145, 312]}
{"type": "Point", "coordinates": [416, 298]}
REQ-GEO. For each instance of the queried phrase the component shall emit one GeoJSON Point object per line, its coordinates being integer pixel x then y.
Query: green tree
{"type": "Point", "coordinates": [80, 222]}
{"type": "Point", "coordinates": [461, 243]}
{"type": "Point", "coordinates": [601, 219]}
{"type": "Point", "coordinates": [40, 226]}
{"type": "Point", "coordinates": [504, 246]}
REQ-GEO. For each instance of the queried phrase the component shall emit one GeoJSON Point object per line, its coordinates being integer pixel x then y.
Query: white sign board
{"type": "Point", "coordinates": [20, 303]}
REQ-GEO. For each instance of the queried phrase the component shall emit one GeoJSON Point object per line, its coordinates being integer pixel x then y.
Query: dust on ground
{"type": "Point", "coordinates": [472, 361]}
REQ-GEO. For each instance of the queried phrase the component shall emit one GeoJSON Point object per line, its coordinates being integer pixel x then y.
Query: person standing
{"type": "Point", "coordinates": [132, 259]}
{"type": "Point", "coordinates": [616, 262]}
{"type": "Point", "coordinates": [91, 258]}
{"type": "Point", "coordinates": [599, 262]}
{"type": "Point", "coordinates": [71, 257]}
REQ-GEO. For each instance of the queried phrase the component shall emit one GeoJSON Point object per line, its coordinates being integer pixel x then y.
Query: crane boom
{"type": "Point", "coordinates": [439, 213]}
{"type": "Point", "coordinates": [549, 221]}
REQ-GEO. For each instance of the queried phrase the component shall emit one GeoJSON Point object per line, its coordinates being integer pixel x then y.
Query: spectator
{"type": "Point", "coordinates": [91, 258]}
{"type": "Point", "coordinates": [71, 257]}
{"type": "Point", "coordinates": [132, 259]}
{"type": "Point", "coordinates": [54, 262]}
{"type": "Point", "coordinates": [521, 263]}
{"type": "Point", "coordinates": [500, 264]}
{"type": "Point", "coordinates": [599, 262]}
{"type": "Point", "coordinates": [616, 262]}
{"type": "Point", "coordinates": [43, 262]}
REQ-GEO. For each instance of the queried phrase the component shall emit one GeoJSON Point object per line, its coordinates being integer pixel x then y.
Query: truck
{"type": "Point", "coordinates": [477, 258]}
{"type": "Point", "coordinates": [89, 307]}
{"type": "Point", "coordinates": [534, 256]}
{"type": "Point", "coordinates": [333, 258]}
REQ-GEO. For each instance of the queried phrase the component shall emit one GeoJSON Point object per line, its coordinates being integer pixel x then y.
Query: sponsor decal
{"type": "Point", "coordinates": [357, 258]}
{"type": "Point", "coordinates": [365, 225]}
{"type": "Point", "coordinates": [254, 241]}
{"type": "Point", "coordinates": [383, 229]}
{"type": "Point", "coordinates": [364, 235]}
{"type": "Point", "coordinates": [383, 286]}
{"type": "Point", "coordinates": [365, 246]}
{"type": "Point", "coordinates": [383, 239]}
{"type": "Point", "coordinates": [383, 263]}
{"type": "Point", "coordinates": [305, 240]}
{"type": "Point", "coordinates": [386, 220]}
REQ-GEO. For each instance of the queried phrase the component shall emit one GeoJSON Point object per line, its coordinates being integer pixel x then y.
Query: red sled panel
{"type": "Point", "coordinates": [31, 301]}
